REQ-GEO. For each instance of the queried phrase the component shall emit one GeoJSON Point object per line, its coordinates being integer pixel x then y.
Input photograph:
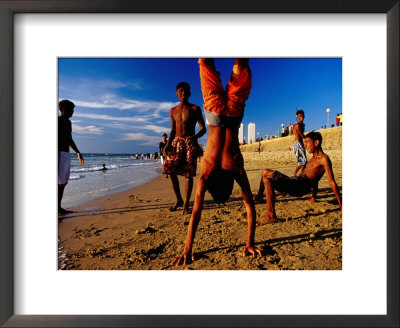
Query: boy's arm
{"type": "Point", "coordinates": [75, 148]}
{"type": "Point", "coordinates": [171, 136]}
{"type": "Point", "coordinates": [314, 192]}
{"type": "Point", "coordinates": [329, 173]}
{"type": "Point", "coordinates": [244, 184]}
{"type": "Point", "coordinates": [200, 121]}
{"type": "Point", "coordinates": [297, 131]}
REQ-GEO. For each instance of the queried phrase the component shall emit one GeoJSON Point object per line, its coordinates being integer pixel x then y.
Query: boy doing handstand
{"type": "Point", "coordinates": [222, 162]}
{"type": "Point", "coordinates": [299, 185]}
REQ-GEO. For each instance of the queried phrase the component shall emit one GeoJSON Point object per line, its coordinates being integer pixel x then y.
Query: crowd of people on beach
{"type": "Point", "coordinates": [221, 162]}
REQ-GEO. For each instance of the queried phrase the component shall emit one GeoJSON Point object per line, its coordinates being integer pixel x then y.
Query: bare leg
{"type": "Point", "coordinates": [188, 190]}
{"type": "Point", "coordinates": [260, 193]}
{"type": "Point", "coordinates": [270, 216]}
{"type": "Point", "coordinates": [239, 64]}
{"type": "Point", "coordinates": [61, 210]}
{"type": "Point", "coordinates": [298, 167]}
{"type": "Point", "coordinates": [175, 186]}
{"type": "Point", "coordinates": [209, 62]}
{"type": "Point", "coordinates": [244, 184]}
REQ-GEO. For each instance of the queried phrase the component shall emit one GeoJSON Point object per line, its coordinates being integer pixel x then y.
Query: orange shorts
{"type": "Point", "coordinates": [229, 103]}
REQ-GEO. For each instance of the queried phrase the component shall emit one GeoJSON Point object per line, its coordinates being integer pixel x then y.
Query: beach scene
{"type": "Point", "coordinates": [119, 201]}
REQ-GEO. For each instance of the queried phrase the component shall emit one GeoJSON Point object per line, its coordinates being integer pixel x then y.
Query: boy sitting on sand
{"type": "Point", "coordinates": [298, 185]}
{"type": "Point", "coordinates": [181, 150]}
{"type": "Point", "coordinates": [222, 162]}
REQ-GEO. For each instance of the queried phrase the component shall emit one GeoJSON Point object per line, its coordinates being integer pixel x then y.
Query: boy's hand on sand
{"type": "Point", "coordinates": [185, 258]}
{"type": "Point", "coordinates": [252, 250]}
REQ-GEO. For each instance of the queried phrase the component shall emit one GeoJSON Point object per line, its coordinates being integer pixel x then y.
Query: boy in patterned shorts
{"type": "Point", "coordinates": [182, 149]}
{"type": "Point", "coordinates": [298, 146]}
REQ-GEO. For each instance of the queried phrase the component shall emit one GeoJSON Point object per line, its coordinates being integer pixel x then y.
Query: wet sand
{"type": "Point", "coordinates": [134, 230]}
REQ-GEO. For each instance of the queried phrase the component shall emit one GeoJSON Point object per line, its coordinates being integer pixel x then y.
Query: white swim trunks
{"type": "Point", "coordinates": [64, 166]}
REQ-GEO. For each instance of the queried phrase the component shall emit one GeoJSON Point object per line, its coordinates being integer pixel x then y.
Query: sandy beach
{"type": "Point", "coordinates": [134, 230]}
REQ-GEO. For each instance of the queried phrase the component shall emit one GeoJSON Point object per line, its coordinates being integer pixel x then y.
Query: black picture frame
{"type": "Point", "coordinates": [11, 7]}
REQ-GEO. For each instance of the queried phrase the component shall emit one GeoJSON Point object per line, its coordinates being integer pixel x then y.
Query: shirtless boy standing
{"type": "Point", "coordinates": [222, 162]}
{"type": "Point", "coordinates": [64, 142]}
{"type": "Point", "coordinates": [182, 148]}
{"type": "Point", "coordinates": [299, 185]}
{"type": "Point", "coordinates": [298, 146]}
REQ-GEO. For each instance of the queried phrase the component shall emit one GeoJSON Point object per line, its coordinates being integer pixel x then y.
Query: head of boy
{"type": "Point", "coordinates": [183, 91]}
{"type": "Point", "coordinates": [220, 185]}
{"type": "Point", "coordinates": [66, 108]}
{"type": "Point", "coordinates": [300, 115]}
{"type": "Point", "coordinates": [313, 141]}
{"type": "Point", "coordinates": [164, 137]}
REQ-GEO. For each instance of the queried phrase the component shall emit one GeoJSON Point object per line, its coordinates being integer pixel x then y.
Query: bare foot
{"type": "Point", "coordinates": [267, 219]}
{"type": "Point", "coordinates": [63, 211]}
{"type": "Point", "coordinates": [175, 207]}
{"type": "Point", "coordinates": [187, 210]}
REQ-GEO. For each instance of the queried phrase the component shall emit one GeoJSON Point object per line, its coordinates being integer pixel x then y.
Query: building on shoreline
{"type": "Point", "coordinates": [251, 132]}
{"type": "Point", "coordinates": [241, 133]}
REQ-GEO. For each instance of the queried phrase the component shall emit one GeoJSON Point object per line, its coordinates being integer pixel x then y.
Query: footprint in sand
{"type": "Point", "coordinates": [148, 229]}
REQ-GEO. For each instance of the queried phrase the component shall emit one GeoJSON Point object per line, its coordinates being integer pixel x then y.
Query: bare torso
{"type": "Point", "coordinates": [185, 117]}
{"type": "Point", "coordinates": [298, 132]}
{"type": "Point", "coordinates": [230, 158]}
{"type": "Point", "coordinates": [314, 169]}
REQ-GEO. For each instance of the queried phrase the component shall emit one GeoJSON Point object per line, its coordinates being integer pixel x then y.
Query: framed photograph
{"type": "Point", "coordinates": [33, 38]}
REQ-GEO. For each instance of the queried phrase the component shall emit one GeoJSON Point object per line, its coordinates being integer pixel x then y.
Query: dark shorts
{"type": "Point", "coordinates": [295, 186]}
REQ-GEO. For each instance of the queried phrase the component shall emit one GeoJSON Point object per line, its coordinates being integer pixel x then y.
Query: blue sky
{"type": "Point", "coordinates": [122, 104]}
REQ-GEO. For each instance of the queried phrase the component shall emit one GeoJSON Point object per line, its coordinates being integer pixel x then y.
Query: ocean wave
{"type": "Point", "coordinates": [76, 177]}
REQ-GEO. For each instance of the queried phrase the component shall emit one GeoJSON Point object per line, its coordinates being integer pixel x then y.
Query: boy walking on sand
{"type": "Point", "coordinates": [299, 185]}
{"type": "Point", "coordinates": [64, 142]}
{"type": "Point", "coordinates": [182, 148]}
{"type": "Point", "coordinates": [222, 162]}
{"type": "Point", "coordinates": [298, 146]}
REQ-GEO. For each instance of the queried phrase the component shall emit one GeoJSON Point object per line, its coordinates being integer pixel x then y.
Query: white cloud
{"type": "Point", "coordinates": [155, 128]}
{"type": "Point", "coordinates": [86, 85]}
{"type": "Point", "coordinates": [133, 119]}
{"type": "Point", "coordinates": [140, 106]}
{"type": "Point", "coordinates": [89, 129]}
{"type": "Point", "coordinates": [134, 136]}
{"type": "Point", "coordinates": [136, 120]}
{"type": "Point", "coordinates": [148, 140]}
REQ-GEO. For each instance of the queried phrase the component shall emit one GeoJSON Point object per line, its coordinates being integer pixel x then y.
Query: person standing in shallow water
{"type": "Point", "coordinates": [182, 149]}
{"type": "Point", "coordinates": [65, 141]}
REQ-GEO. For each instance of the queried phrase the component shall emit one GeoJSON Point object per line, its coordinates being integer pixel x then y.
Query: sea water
{"type": "Point", "coordinates": [89, 181]}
